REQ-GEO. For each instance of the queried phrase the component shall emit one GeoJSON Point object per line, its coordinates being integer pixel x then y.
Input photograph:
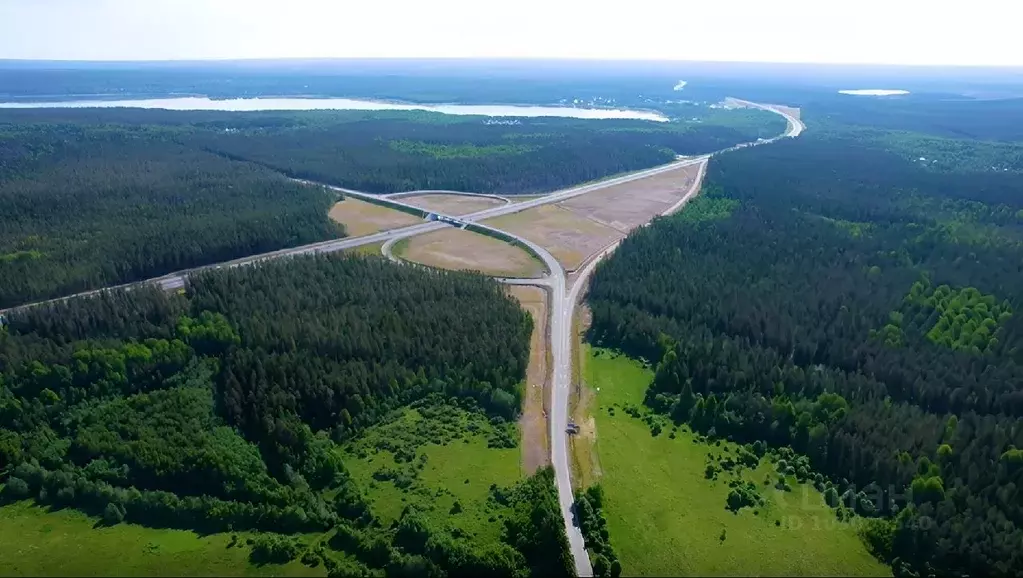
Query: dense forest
{"type": "Point", "coordinates": [99, 197]}
{"type": "Point", "coordinates": [222, 408]}
{"type": "Point", "coordinates": [87, 206]}
{"type": "Point", "coordinates": [950, 117]}
{"type": "Point", "coordinates": [829, 295]}
{"type": "Point", "coordinates": [509, 156]}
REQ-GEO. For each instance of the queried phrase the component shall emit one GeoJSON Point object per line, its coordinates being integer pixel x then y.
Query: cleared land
{"type": "Point", "coordinates": [452, 204]}
{"type": "Point", "coordinates": [362, 218]}
{"type": "Point", "coordinates": [533, 423]}
{"type": "Point", "coordinates": [666, 518]}
{"type": "Point", "coordinates": [629, 205]}
{"type": "Point", "coordinates": [576, 229]}
{"type": "Point", "coordinates": [582, 447]}
{"type": "Point", "coordinates": [37, 542]}
{"type": "Point", "coordinates": [733, 103]}
{"type": "Point", "coordinates": [569, 236]}
{"type": "Point", "coordinates": [459, 249]}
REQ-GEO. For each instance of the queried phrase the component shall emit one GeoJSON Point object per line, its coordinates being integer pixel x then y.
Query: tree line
{"type": "Point", "coordinates": [386, 155]}
{"type": "Point", "coordinates": [91, 206]}
{"type": "Point", "coordinates": [221, 408]}
{"type": "Point", "coordinates": [98, 197]}
{"type": "Point", "coordinates": [806, 303]}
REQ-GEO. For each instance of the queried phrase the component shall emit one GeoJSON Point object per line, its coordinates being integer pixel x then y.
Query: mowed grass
{"type": "Point", "coordinates": [37, 542]}
{"type": "Point", "coordinates": [459, 470]}
{"type": "Point", "coordinates": [666, 519]}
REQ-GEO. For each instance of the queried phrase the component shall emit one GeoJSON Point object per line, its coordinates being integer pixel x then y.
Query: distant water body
{"type": "Point", "coordinates": [254, 104]}
{"type": "Point", "coordinates": [874, 92]}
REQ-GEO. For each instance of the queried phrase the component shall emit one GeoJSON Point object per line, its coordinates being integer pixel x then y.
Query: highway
{"type": "Point", "coordinates": [562, 314]}
{"type": "Point", "coordinates": [404, 194]}
{"type": "Point", "coordinates": [176, 280]}
{"type": "Point", "coordinates": [562, 302]}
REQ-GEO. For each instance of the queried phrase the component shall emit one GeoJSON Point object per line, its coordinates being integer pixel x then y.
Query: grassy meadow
{"type": "Point", "coordinates": [666, 518]}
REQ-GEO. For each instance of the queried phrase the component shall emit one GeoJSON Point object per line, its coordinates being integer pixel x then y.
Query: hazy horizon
{"type": "Point", "coordinates": [868, 32]}
{"type": "Point", "coordinates": [510, 59]}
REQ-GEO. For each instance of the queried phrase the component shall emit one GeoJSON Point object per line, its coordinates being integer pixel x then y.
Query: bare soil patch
{"type": "Point", "coordinates": [362, 218]}
{"type": "Point", "coordinates": [452, 204]}
{"type": "Point", "coordinates": [629, 205]}
{"type": "Point", "coordinates": [569, 236]}
{"type": "Point", "coordinates": [734, 103]}
{"type": "Point", "coordinates": [459, 249]}
{"type": "Point", "coordinates": [583, 445]}
{"type": "Point", "coordinates": [533, 423]}
{"type": "Point", "coordinates": [787, 110]}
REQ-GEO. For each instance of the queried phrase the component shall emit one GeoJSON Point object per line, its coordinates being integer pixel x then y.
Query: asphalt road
{"type": "Point", "coordinates": [562, 302]}
{"type": "Point", "coordinates": [177, 279]}
{"type": "Point", "coordinates": [562, 313]}
{"type": "Point", "coordinates": [404, 194]}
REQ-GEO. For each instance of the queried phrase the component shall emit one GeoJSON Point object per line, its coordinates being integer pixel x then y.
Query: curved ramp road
{"type": "Point", "coordinates": [177, 279]}
{"type": "Point", "coordinates": [404, 194]}
{"type": "Point", "coordinates": [563, 302]}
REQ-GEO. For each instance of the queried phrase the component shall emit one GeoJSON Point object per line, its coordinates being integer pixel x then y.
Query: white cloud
{"type": "Point", "coordinates": [871, 31]}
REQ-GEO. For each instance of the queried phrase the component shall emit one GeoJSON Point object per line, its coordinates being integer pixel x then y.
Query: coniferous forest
{"type": "Point", "coordinates": [98, 197]}
{"type": "Point", "coordinates": [221, 409]}
{"type": "Point", "coordinates": [829, 295]}
{"type": "Point", "coordinates": [852, 298]}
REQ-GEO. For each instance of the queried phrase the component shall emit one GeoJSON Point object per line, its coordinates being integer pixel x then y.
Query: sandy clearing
{"type": "Point", "coordinates": [629, 205]}
{"type": "Point", "coordinates": [570, 237]}
{"type": "Point", "coordinates": [464, 250]}
{"type": "Point", "coordinates": [792, 111]}
{"type": "Point", "coordinates": [362, 218]}
{"type": "Point", "coordinates": [533, 423]}
{"type": "Point", "coordinates": [452, 204]}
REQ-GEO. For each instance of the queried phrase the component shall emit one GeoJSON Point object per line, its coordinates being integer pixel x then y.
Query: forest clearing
{"type": "Point", "coordinates": [364, 218]}
{"type": "Point", "coordinates": [458, 249]}
{"type": "Point", "coordinates": [571, 238]}
{"type": "Point", "coordinates": [535, 448]}
{"type": "Point", "coordinates": [454, 205]}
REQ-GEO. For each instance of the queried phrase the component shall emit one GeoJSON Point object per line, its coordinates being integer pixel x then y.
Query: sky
{"type": "Point", "coordinates": [926, 32]}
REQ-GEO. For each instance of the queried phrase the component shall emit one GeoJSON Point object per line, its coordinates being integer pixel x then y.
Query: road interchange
{"type": "Point", "coordinates": [563, 299]}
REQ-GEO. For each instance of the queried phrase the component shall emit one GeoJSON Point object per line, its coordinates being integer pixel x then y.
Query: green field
{"type": "Point", "coordinates": [372, 250]}
{"type": "Point", "coordinates": [37, 542]}
{"type": "Point", "coordinates": [452, 464]}
{"type": "Point", "coordinates": [443, 455]}
{"type": "Point", "coordinates": [666, 518]}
